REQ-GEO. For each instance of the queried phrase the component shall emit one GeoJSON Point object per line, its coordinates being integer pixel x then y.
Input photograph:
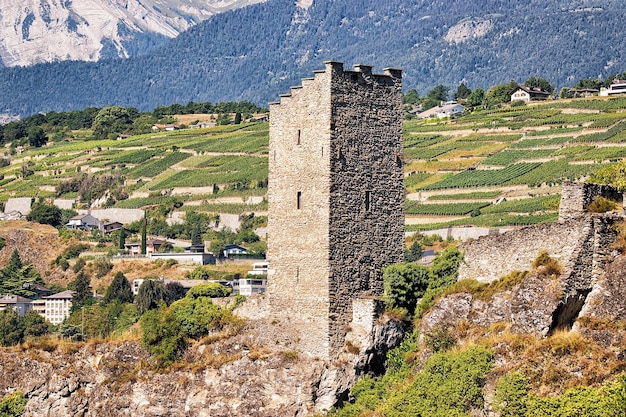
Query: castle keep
{"type": "Point", "coordinates": [336, 198]}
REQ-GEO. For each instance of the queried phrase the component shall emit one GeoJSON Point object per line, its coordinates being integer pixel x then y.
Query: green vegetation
{"type": "Point", "coordinates": [12, 405]}
{"type": "Point", "coordinates": [444, 209]}
{"type": "Point", "coordinates": [481, 178]}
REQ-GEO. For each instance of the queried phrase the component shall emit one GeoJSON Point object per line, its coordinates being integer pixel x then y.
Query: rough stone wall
{"type": "Point", "coordinates": [491, 257]}
{"type": "Point", "coordinates": [335, 198]}
{"type": "Point", "coordinates": [576, 196]}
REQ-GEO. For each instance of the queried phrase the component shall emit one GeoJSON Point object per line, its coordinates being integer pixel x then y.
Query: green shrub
{"type": "Point", "coordinates": [511, 395]}
{"type": "Point", "coordinates": [439, 339]}
{"type": "Point", "coordinates": [545, 265]}
{"type": "Point", "coordinates": [198, 273]}
{"type": "Point", "coordinates": [404, 284]}
{"type": "Point", "coordinates": [13, 405]}
{"type": "Point", "coordinates": [211, 290]}
{"type": "Point", "coordinates": [601, 205]}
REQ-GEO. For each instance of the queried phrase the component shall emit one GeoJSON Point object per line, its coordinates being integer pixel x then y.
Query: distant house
{"type": "Point", "coordinates": [39, 290]}
{"type": "Point", "coordinates": [255, 282]}
{"type": "Point", "coordinates": [524, 93]}
{"type": "Point", "coordinates": [616, 87]}
{"type": "Point", "coordinates": [58, 306]}
{"type": "Point", "coordinates": [167, 127]}
{"type": "Point", "coordinates": [152, 246]}
{"type": "Point", "coordinates": [450, 109]}
{"type": "Point", "coordinates": [84, 221]}
{"type": "Point", "coordinates": [20, 304]}
{"type": "Point", "coordinates": [109, 227]}
{"type": "Point", "coordinates": [202, 125]}
{"type": "Point", "coordinates": [582, 92]}
{"type": "Point", "coordinates": [234, 250]}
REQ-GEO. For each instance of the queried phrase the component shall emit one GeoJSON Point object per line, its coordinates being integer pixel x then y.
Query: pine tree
{"type": "Point", "coordinates": [150, 293]}
{"type": "Point", "coordinates": [119, 290]}
{"type": "Point", "coordinates": [82, 290]}
{"type": "Point", "coordinates": [122, 238]}
{"type": "Point", "coordinates": [143, 236]}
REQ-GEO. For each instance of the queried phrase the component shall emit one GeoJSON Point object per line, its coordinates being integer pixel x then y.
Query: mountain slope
{"type": "Point", "coordinates": [257, 52]}
{"type": "Point", "coordinates": [35, 31]}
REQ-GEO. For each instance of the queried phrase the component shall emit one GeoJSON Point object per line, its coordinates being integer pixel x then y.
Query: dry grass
{"type": "Point", "coordinates": [486, 291]}
{"type": "Point", "coordinates": [545, 265]}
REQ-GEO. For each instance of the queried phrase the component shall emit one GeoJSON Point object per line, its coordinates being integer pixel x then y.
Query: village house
{"type": "Point", "coordinates": [152, 246]}
{"type": "Point", "coordinates": [20, 304]}
{"type": "Point", "coordinates": [84, 221]}
{"type": "Point", "coordinates": [524, 93]}
{"type": "Point", "coordinates": [234, 250]}
{"type": "Point", "coordinates": [616, 87]}
{"type": "Point", "coordinates": [450, 109]}
{"type": "Point", "coordinates": [110, 227]}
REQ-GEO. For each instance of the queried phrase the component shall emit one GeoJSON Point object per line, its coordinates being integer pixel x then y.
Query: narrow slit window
{"type": "Point", "coordinates": [299, 200]}
{"type": "Point", "coordinates": [298, 137]}
{"type": "Point", "coordinates": [368, 197]}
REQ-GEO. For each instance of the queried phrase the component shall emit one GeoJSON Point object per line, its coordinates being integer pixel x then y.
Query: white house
{"type": "Point", "coordinates": [449, 109]}
{"type": "Point", "coordinates": [84, 221]}
{"type": "Point", "coordinates": [616, 87]}
{"type": "Point", "coordinates": [16, 302]}
{"type": "Point", "coordinates": [58, 306]}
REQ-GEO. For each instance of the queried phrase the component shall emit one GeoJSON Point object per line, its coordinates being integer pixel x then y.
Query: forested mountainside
{"type": "Point", "coordinates": [36, 31]}
{"type": "Point", "coordinates": [256, 52]}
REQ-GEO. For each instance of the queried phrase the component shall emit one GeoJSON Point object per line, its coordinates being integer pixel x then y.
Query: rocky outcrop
{"type": "Point", "coordinates": [46, 31]}
{"type": "Point", "coordinates": [254, 373]}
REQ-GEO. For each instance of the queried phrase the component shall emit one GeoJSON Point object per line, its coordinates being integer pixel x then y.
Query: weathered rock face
{"type": "Point", "coordinates": [46, 31]}
{"type": "Point", "coordinates": [244, 375]}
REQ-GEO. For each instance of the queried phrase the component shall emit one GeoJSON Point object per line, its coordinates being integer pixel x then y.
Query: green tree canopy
{"type": "Point", "coordinates": [83, 293]}
{"type": "Point", "coordinates": [539, 82]}
{"type": "Point", "coordinates": [45, 214]}
{"type": "Point", "coordinates": [112, 119]}
{"type": "Point", "coordinates": [15, 275]}
{"type": "Point", "coordinates": [438, 93]}
{"type": "Point", "coordinates": [500, 93]}
{"type": "Point", "coordinates": [411, 97]}
{"type": "Point", "coordinates": [36, 136]}
{"type": "Point", "coordinates": [462, 92]}
{"type": "Point", "coordinates": [119, 290]}
{"type": "Point", "coordinates": [476, 98]}
{"type": "Point", "coordinates": [150, 294]}
{"type": "Point", "coordinates": [404, 284]}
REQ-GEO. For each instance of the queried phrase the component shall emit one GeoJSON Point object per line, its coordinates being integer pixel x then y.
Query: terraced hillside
{"type": "Point", "coordinates": [490, 168]}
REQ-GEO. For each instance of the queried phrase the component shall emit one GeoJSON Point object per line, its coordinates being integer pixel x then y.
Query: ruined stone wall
{"type": "Point", "coordinates": [335, 198]}
{"type": "Point", "coordinates": [576, 196]}
{"type": "Point", "coordinates": [493, 256]}
{"type": "Point", "coordinates": [582, 247]}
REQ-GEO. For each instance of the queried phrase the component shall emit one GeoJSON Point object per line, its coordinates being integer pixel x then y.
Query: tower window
{"type": "Point", "coordinates": [368, 199]}
{"type": "Point", "coordinates": [299, 200]}
{"type": "Point", "coordinates": [298, 137]}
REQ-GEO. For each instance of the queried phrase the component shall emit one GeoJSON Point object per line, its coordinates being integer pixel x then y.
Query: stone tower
{"type": "Point", "coordinates": [336, 199]}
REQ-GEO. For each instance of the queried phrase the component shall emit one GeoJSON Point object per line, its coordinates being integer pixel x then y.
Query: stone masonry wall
{"type": "Point", "coordinates": [367, 188]}
{"type": "Point", "coordinates": [335, 198]}
{"type": "Point", "coordinates": [576, 196]}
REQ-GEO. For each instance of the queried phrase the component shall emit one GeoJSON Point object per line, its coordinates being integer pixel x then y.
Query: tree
{"type": "Point", "coordinates": [237, 118]}
{"type": "Point", "coordinates": [414, 252]}
{"type": "Point", "coordinates": [34, 324]}
{"type": "Point", "coordinates": [112, 119]}
{"type": "Point", "coordinates": [462, 92]}
{"type": "Point", "coordinates": [500, 93]}
{"type": "Point", "coordinates": [593, 83]}
{"type": "Point", "coordinates": [122, 241]}
{"type": "Point", "coordinates": [143, 235]}
{"type": "Point", "coordinates": [11, 328]}
{"type": "Point", "coordinates": [174, 292]}
{"type": "Point", "coordinates": [404, 284]}
{"type": "Point", "coordinates": [36, 136]}
{"type": "Point", "coordinates": [15, 275]}
{"type": "Point", "coordinates": [45, 214]}
{"type": "Point", "coordinates": [438, 93]}
{"type": "Point", "coordinates": [13, 405]}
{"type": "Point", "coordinates": [82, 291]}
{"type": "Point", "coordinates": [150, 293]}
{"type": "Point", "coordinates": [411, 97]}
{"type": "Point", "coordinates": [119, 290]}
{"type": "Point", "coordinates": [538, 82]}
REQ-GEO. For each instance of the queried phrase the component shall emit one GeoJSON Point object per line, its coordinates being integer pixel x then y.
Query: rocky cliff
{"type": "Point", "coordinates": [254, 373]}
{"type": "Point", "coordinates": [36, 31]}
